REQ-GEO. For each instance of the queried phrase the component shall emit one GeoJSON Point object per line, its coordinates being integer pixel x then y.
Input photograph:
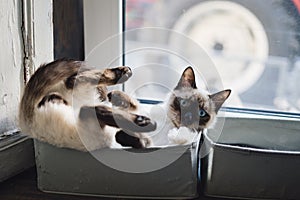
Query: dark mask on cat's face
{"type": "Point", "coordinates": [193, 108]}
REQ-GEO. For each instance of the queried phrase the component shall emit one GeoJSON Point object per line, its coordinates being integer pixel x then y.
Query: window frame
{"type": "Point", "coordinates": [37, 51]}
{"type": "Point", "coordinates": [234, 111]}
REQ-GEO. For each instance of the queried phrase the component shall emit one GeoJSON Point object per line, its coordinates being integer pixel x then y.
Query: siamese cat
{"type": "Point", "coordinates": [185, 113]}
{"type": "Point", "coordinates": [191, 110]}
{"type": "Point", "coordinates": [65, 103]}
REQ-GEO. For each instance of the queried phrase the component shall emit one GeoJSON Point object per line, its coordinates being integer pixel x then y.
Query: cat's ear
{"type": "Point", "coordinates": [187, 79]}
{"type": "Point", "coordinates": [219, 98]}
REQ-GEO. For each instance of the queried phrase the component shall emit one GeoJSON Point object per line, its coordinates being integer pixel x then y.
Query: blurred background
{"type": "Point", "coordinates": [250, 46]}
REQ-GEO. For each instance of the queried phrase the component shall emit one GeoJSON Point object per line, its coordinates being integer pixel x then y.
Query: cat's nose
{"type": "Point", "coordinates": [187, 118]}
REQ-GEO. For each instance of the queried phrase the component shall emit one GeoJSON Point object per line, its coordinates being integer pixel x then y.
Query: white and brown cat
{"type": "Point", "coordinates": [191, 107]}
{"type": "Point", "coordinates": [65, 104]}
{"type": "Point", "coordinates": [189, 110]}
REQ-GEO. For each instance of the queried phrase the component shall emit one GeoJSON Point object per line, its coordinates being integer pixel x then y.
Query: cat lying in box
{"type": "Point", "coordinates": [186, 112]}
{"type": "Point", "coordinates": [65, 104]}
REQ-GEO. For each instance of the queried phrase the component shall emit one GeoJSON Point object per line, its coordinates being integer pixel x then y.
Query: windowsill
{"type": "Point", "coordinates": [16, 154]}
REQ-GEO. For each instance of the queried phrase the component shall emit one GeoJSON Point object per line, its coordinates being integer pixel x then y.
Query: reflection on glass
{"type": "Point", "coordinates": [250, 46]}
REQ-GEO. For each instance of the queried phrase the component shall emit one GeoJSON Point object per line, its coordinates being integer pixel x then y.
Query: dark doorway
{"type": "Point", "coordinates": [68, 29]}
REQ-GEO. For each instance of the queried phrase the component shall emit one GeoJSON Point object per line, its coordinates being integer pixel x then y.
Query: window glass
{"type": "Point", "coordinates": [249, 46]}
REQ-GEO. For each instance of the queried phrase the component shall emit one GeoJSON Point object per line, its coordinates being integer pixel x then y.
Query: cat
{"type": "Point", "coordinates": [191, 107]}
{"type": "Point", "coordinates": [65, 103]}
{"type": "Point", "coordinates": [186, 112]}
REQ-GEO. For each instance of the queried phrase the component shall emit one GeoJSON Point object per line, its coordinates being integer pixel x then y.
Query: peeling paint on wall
{"type": "Point", "coordinates": [15, 24]}
{"type": "Point", "coordinates": [16, 21]}
{"type": "Point", "coordinates": [10, 63]}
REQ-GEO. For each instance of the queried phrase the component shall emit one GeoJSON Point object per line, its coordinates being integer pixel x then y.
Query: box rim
{"type": "Point", "coordinates": [247, 149]}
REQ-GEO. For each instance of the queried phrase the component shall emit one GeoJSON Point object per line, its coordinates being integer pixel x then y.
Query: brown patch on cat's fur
{"type": "Point", "coordinates": [54, 98]}
{"type": "Point", "coordinates": [122, 100]}
{"type": "Point", "coordinates": [187, 79]}
{"type": "Point", "coordinates": [219, 98]}
{"type": "Point", "coordinates": [42, 81]}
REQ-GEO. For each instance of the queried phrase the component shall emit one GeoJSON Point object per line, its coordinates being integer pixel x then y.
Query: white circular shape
{"type": "Point", "coordinates": [234, 38]}
{"type": "Point", "coordinates": [149, 74]}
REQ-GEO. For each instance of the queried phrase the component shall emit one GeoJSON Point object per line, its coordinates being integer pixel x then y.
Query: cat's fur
{"type": "Point", "coordinates": [188, 109]}
{"type": "Point", "coordinates": [65, 104]}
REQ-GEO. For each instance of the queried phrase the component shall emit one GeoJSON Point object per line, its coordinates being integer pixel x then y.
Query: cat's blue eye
{"type": "Point", "coordinates": [202, 113]}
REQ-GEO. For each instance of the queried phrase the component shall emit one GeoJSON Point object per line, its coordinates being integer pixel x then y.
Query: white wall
{"type": "Point", "coordinates": [23, 55]}
{"type": "Point", "coordinates": [11, 59]}
{"type": "Point", "coordinates": [36, 17]}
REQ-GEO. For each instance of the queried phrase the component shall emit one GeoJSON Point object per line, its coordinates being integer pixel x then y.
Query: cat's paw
{"type": "Point", "coordinates": [146, 123]}
{"type": "Point", "coordinates": [122, 100]}
{"type": "Point", "coordinates": [121, 74]}
{"type": "Point", "coordinates": [134, 140]}
{"type": "Point", "coordinates": [182, 136]}
{"type": "Point", "coordinates": [145, 141]}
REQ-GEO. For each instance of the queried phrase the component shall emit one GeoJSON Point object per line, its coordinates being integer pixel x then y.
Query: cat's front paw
{"type": "Point", "coordinates": [122, 74]}
{"type": "Point", "coordinates": [122, 100]}
{"type": "Point", "coordinates": [145, 122]}
{"type": "Point", "coordinates": [145, 141]}
{"type": "Point", "coordinates": [134, 140]}
{"type": "Point", "coordinates": [182, 136]}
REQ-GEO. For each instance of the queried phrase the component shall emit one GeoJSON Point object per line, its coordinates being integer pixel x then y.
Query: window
{"type": "Point", "coordinates": [249, 46]}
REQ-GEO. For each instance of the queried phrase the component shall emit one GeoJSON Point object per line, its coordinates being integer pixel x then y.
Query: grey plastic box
{"type": "Point", "coordinates": [62, 170]}
{"type": "Point", "coordinates": [16, 155]}
{"type": "Point", "coordinates": [253, 159]}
